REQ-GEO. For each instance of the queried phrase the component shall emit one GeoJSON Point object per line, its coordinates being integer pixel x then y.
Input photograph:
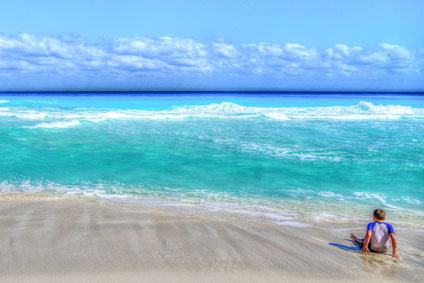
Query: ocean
{"type": "Point", "coordinates": [299, 159]}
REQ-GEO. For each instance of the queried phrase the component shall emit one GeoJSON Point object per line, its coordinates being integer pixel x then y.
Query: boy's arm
{"type": "Point", "coordinates": [394, 245]}
{"type": "Point", "coordinates": [367, 240]}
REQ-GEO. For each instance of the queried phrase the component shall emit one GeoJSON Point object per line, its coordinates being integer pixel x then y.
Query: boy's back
{"type": "Point", "coordinates": [380, 235]}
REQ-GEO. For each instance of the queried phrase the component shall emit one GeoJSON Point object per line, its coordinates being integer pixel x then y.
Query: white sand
{"type": "Point", "coordinates": [84, 241]}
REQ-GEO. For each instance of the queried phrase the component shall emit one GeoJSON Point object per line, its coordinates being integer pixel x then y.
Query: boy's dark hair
{"type": "Point", "coordinates": [379, 214]}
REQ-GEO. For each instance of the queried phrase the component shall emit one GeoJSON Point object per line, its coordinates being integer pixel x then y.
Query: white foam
{"type": "Point", "coordinates": [284, 212]}
{"type": "Point", "coordinates": [59, 124]}
{"type": "Point", "coordinates": [331, 195]}
{"type": "Point", "coordinates": [279, 152]}
{"type": "Point", "coordinates": [225, 110]}
{"type": "Point", "coordinates": [277, 116]}
{"type": "Point", "coordinates": [3, 101]}
{"type": "Point", "coordinates": [383, 200]}
{"type": "Point", "coordinates": [412, 201]}
{"type": "Point", "coordinates": [386, 109]}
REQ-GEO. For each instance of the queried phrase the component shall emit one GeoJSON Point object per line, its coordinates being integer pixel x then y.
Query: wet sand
{"type": "Point", "coordinates": [85, 241]}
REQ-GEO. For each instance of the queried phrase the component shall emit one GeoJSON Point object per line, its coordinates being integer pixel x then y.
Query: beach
{"type": "Point", "coordinates": [79, 240]}
{"type": "Point", "coordinates": [211, 141]}
{"type": "Point", "coordinates": [208, 187]}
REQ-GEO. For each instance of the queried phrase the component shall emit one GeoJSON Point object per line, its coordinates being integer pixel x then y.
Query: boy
{"type": "Point", "coordinates": [377, 236]}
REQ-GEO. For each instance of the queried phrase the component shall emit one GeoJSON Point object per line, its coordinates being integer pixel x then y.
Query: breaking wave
{"type": "Point", "coordinates": [63, 118]}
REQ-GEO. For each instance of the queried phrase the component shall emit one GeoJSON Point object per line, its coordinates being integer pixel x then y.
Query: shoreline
{"type": "Point", "coordinates": [292, 213]}
{"type": "Point", "coordinates": [74, 240]}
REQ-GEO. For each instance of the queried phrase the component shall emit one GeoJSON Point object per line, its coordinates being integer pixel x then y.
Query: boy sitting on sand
{"type": "Point", "coordinates": [377, 236]}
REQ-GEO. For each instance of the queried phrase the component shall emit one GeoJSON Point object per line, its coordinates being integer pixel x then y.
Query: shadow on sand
{"type": "Point", "coordinates": [356, 248]}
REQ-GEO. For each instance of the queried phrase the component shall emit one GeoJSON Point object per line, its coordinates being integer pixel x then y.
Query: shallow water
{"type": "Point", "coordinates": [288, 158]}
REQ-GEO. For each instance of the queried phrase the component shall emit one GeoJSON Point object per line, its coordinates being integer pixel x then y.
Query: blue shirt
{"type": "Point", "coordinates": [371, 225]}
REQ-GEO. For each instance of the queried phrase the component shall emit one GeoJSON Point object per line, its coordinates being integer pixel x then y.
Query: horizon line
{"type": "Point", "coordinates": [212, 91]}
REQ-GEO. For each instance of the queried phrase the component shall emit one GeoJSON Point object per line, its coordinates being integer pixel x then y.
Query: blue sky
{"type": "Point", "coordinates": [222, 45]}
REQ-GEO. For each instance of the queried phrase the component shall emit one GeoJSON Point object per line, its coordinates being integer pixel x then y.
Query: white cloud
{"type": "Point", "coordinates": [266, 49]}
{"type": "Point", "coordinates": [295, 51]}
{"type": "Point", "coordinates": [397, 51]}
{"type": "Point", "coordinates": [166, 57]}
{"type": "Point", "coordinates": [160, 47]}
{"type": "Point", "coordinates": [225, 50]}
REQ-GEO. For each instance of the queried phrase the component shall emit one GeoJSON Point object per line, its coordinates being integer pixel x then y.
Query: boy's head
{"type": "Point", "coordinates": [379, 214]}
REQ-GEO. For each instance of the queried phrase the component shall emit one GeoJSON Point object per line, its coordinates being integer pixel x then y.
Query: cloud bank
{"type": "Point", "coordinates": [159, 62]}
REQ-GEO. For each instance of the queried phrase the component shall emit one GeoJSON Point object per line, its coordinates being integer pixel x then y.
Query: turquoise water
{"type": "Point", "coordinates": [291, 159]}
